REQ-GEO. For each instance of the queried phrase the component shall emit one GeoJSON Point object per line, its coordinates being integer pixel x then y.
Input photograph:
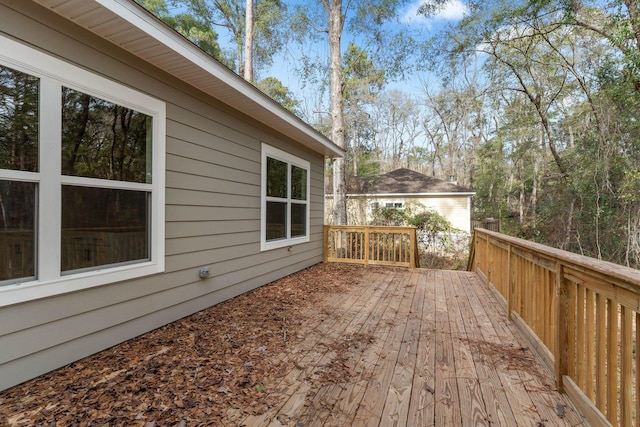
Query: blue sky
{"type": "Point", "coordinates": [453, 10]}
{"type": "Point", "coordinates": [288, 60]}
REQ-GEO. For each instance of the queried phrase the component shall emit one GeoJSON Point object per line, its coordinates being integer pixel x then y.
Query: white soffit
{"type": "Point", "coordinates": [132, 28]}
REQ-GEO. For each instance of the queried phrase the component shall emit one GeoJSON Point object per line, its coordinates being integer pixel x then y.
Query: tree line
{"type": "Point", "coordinates": [532, 104]}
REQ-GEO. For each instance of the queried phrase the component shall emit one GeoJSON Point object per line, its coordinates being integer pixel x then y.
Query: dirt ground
{"type": "Point", "coordinates": [211, 368]}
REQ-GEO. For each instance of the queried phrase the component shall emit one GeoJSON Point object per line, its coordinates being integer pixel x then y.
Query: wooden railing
{"type": "Point", "coordinates": [487, 223]}
{"type": "Point", "coordinates": [371, 245]}
{"type": "Point", "coordinates": [581, 314]}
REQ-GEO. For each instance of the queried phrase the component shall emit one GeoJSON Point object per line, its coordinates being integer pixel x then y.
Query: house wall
{"type": "Point", "coordinates": [456, 209]}
{"type": "Point", "coordinates": [212, 212]}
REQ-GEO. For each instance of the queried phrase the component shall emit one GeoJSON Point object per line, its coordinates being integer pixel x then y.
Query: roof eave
{"type": "Point", "coordinates": [380, 195]}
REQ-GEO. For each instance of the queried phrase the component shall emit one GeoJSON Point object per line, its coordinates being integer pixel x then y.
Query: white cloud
{"type": "Point", "coordinates": [452, 10]}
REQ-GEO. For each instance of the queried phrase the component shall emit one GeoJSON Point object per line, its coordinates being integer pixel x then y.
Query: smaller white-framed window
{"type": "Point", "coordinates": [285, 199]}
{"type": "Point", "coordinates": [395, 204]}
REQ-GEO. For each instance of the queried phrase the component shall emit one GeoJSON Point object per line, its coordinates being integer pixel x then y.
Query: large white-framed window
{"type": "Point", "coordinates": [285, 199]}
{"type": "Point", "coordinates": [81, 178]}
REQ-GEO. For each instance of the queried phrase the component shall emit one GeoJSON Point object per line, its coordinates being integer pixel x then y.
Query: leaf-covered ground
{"type": "Point", "coordinates": [212, 368]}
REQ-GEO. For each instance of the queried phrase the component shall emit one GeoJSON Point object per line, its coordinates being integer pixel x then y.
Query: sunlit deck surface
{"type": "Point", "coordinates": [416, 348]}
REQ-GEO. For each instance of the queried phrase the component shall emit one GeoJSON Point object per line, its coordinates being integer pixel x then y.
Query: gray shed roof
{"type": "Point", "coordinates": [129, 26]}
{"type": "Point", "coordinates": [404, 182]}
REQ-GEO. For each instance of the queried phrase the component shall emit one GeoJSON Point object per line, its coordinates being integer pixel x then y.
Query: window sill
{"type": "Point", "coordinates": [276, 244]}
{"type": "Point", "coordinates": [29, 291]}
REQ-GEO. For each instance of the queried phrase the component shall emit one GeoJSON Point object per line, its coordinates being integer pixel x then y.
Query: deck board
{"type": "Point", "coordinates": [497, 405]}
{"type": "Point", "coordinates": [415, 348]}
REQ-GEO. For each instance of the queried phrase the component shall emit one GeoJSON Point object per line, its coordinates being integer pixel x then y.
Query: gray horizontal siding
{"type": "Point", "coordinates": [44, 360]}
{"type": "Point", "coordinates": [191, 228]}
{"type": "Point", "coordinates": [212, 216]}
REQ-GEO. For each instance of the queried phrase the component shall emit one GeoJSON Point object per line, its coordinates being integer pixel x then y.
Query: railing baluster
{"type": "Point", "coordinates": [585, 311]}
{"type": "Point", "coordinates": [580, 355]}
{"type": "Point", "coordinates": [367, 242]}
{"type": "Point", "coordinates": [626, 368]}
{"type": "Point", "coordinates": [562, 335]}
{"type": "Point", "coordinates": [612, 362]}
{"type": "Point", "coordinates": [601, 356]}
{"type": "Point", "coordinates": [590, 343]}
{"type": "Point", "coordinates": [571, 327]}
{"type": "Point", "coordinates": [637, 367]}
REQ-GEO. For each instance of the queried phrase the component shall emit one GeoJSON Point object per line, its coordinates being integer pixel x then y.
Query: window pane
{"type": "Point", "coordinates": [103, 226]}
{"type": "Point", "coordinates": [18, 120]}
{"type": "Point", "coordinates": [298, 183]}
{"type": "Point", "coordinates": [104, 140]}
{"type": "Point", "coordinates": [17, 229]}
{"type": "Point", "coordinates": [276, 221]}
{"type": "Point", "coordinates": [276, 178]}
{"type": "Point", "coordinates": [298, 220]}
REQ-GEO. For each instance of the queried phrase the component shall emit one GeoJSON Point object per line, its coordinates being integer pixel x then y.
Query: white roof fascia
{"type": "Point", "coordinates": [410, 194]}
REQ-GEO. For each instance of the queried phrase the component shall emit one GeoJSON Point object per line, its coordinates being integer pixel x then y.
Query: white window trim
{"type": "Point", "coordinates": [55, 73]}
{"type": "Point", "coordinates": [275, 153]}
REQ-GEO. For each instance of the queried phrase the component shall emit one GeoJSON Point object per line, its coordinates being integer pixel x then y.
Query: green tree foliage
{"type": "Point", "coordinates": [363, 81]}
{"type": "Point", "coordinates": [390, 216]}
{"type": "Point", "coordinates": [561, 157]}
{"type": "Point", "coordinates": [190, 26]}
{"type": "Point", "coordinates": [440, 244]}
{"type": "Point", "coordinates": [279, 92]}
{"type": "Point", "coordinates": [269, 29]}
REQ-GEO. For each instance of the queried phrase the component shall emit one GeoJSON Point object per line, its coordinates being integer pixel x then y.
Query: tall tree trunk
{"type": "Point", "coordinates": [568, 225]}
{"type": "Point", "coordinates": [336, 22]}
{"type": "Point", "coordinates": [533, 205]}
{"type": "Point", "coordinates": [634, 19]}
{"type": "Point", "coordinates": [354, 153]}
{"type": "Point", "coordinates": [521, 199]}
{"type": "Point", "coordinates": [248, 42]}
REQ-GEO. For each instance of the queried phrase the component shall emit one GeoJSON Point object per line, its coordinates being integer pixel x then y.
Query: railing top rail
{"type": "Point", "coordinates": [374, 227]}
{"type": "Point", "coordinates": [625, 276]}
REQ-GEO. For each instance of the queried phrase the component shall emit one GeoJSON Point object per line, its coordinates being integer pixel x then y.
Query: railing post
{"type": "Point", "coordinates": [510, 283]}
{"type": "Point", "coordinates": [489, 261]}
{"type": "Point", "coordinates": [562, 331]}
{"type": "Point", "coordinates": [367, 230]}
{"type": "Point", "coordinates": [413, 246]}
{"type": "Point", "coordinates": [326, 243]}
{"type": "Point", "coordinates": [472, 252]}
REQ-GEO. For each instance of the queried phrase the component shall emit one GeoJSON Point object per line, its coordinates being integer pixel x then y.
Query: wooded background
{"type": "Point", "coordinates": [532, 104]}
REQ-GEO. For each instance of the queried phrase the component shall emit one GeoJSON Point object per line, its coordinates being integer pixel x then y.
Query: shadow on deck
{"type": "Point", "coordinates": [416, 348]}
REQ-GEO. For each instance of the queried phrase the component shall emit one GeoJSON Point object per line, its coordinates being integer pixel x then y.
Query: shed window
{"type": "Point", "coordinates": [285, 206]}
{"type": "Point", "coordinates": [394, 205]}
{"type": "Point", "coordinates": [81, 178]}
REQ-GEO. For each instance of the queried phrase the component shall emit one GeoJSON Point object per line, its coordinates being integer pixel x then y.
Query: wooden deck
{"type": "Point", "coordinates": [415, 348]}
